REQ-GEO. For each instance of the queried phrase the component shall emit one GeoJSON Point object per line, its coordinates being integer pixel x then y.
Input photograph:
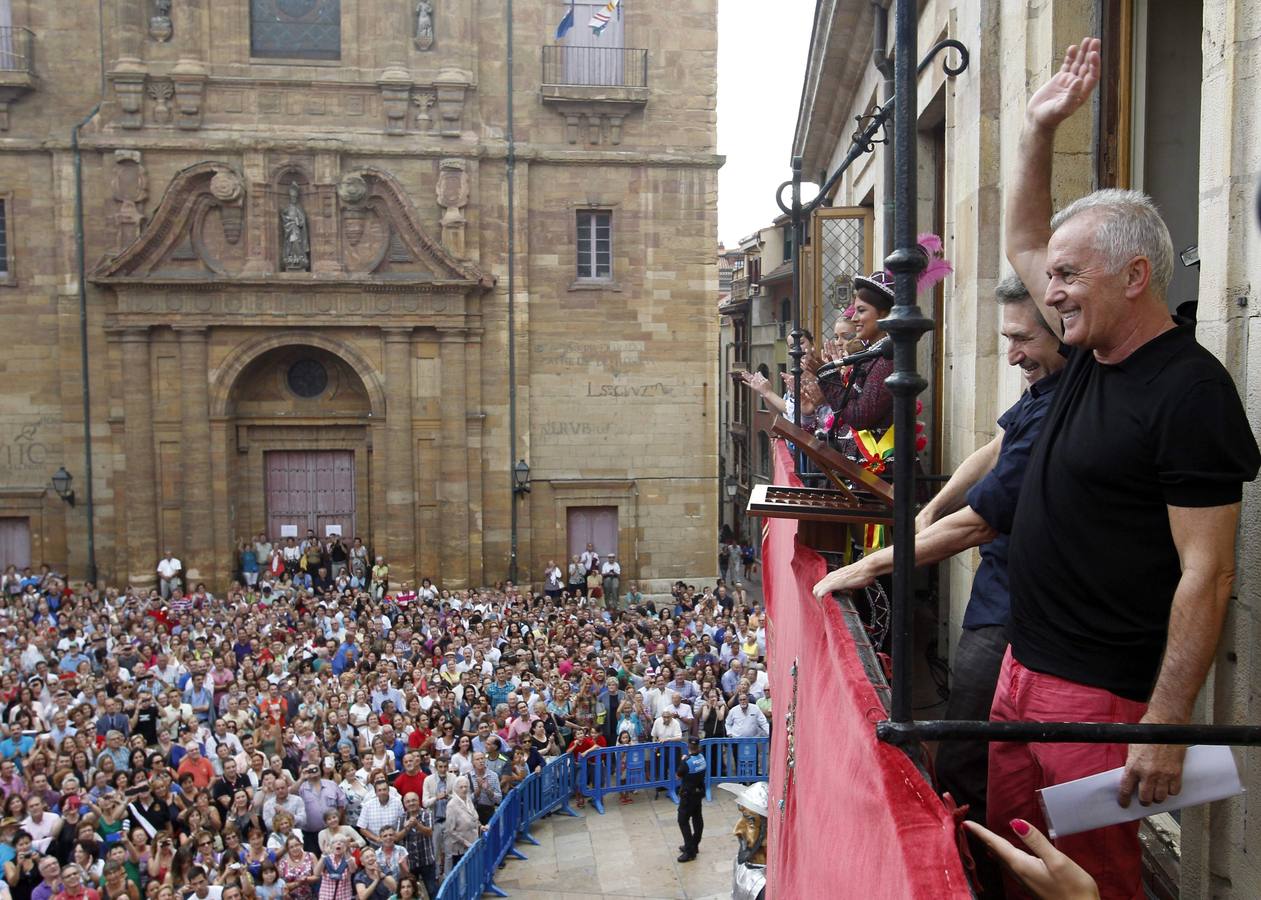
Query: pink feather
{"type": "Point", "coordinates": [930, 242]}
{"type": "Point", "coordinates": [936, 271]}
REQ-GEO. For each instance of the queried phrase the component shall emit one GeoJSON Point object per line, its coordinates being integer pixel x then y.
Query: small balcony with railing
{"type": "Point", "coordinates": [614, 75]}
{"type": "Point", "coordinates": [17, 68]}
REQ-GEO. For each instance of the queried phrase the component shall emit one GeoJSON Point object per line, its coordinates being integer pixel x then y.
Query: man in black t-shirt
{"type": "Point", "coordinates": [1123, 543]}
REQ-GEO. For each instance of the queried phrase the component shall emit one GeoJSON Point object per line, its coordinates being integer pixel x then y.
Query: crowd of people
{"type": "Point", "coordinates": [340, 739]}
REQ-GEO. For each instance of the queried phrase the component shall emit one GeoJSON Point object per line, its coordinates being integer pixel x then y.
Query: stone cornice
{"type": "Point", "coordinates": [208, 143]}
{"type": "Point", "coordinates": [307, 309]}
{"type": "Point", "coordinates": [280, 284]}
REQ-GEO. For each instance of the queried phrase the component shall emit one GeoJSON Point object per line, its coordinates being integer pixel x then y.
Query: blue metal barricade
{"type": "Point", "coordinates": [607, 770]}
{"type": "Point", "coordinates": [629, 767]}
{"type": "Point", "coordinates": [743, 760]}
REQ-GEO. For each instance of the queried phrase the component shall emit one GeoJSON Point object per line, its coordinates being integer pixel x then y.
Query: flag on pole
{"type": "Point", "coordinates": [566, 23]}
{"type": "Point", "coordinates": [603, 16]}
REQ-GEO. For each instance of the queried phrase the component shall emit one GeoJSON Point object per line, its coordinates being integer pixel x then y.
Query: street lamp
{"type": "Point", "coordinates": [732, 487]}
{"type": "Point", "coordinates": [520, 478]}
{"type": "Point", "coordinates": [61, 485]}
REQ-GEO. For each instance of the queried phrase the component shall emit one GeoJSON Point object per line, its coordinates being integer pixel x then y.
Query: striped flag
{"type": "Point", "coordinates": [603, 16]}
{"type": "Point", "coordinates": [566, 23]}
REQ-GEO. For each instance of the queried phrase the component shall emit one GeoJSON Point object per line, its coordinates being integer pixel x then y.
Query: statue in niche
{"type": "Point", "coordinates": [160, 21]}
{"type": "Point", "coordinates": [295, 253]}
{"type": "Point", "coordinates": [424, 24]}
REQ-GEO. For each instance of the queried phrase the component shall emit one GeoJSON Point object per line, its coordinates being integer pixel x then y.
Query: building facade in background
{"type": "Point", "coordinates": [297, 254]}
{"type": "Point", "coordinates": [756, 318]}
{"type": "Point", "coordinates": [1172, 118]}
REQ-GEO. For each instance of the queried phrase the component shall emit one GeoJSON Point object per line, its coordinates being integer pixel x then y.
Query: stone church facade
{"type": "Point", "coordinates": [296, 266]}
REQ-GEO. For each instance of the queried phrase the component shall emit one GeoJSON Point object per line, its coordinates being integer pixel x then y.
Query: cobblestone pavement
{"type": "Point", "coordinates": [630, 851]}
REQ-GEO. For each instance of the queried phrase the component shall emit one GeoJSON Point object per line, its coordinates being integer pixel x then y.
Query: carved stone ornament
{"type": "Point", "coordinates": [295, 220]}
{"type": "Point", "coordinates": [129, 186]}
{"type": "Point", "coordinates": [396, 93]}
{"type": "Point", "coordinates": [128, 79]}
{"type": "Point", "coordinates": [453, 192]}
{"type": "Point", "coordinates": [424, 25]}
{"type": "Point", "coordinates": [226, 186]}
{"type": "Point", "coordinates": [352, 189]}
{"type": "Point", "coordinates": [160, 22]}
{"type": "Point", "coordinates": [190, 78]}
{"type": "Point", "coordinates": [451, 87]}
{"type": "Point", "coordinates": [424, 101]}
{"type": "Point", "coordinates": [161, 92]}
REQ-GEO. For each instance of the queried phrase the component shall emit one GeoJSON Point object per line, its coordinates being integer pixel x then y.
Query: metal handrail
{"type": "Point", "coordinates": [564, 65]}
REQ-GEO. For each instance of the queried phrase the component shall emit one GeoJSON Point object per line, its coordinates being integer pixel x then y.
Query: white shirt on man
{"type": "Point", "coordinates": [652, 699]}
{"type": "Point", "coordinates": [666, 731]}
{"type": "Point", "coordinates": [746, 723]}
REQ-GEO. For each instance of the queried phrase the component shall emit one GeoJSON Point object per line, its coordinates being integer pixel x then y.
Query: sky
{"type": "Point", "coordinates": [762, 52]}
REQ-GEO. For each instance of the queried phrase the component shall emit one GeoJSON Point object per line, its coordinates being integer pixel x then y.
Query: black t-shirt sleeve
{"type": "Point", "coordinates": [1204, 447]}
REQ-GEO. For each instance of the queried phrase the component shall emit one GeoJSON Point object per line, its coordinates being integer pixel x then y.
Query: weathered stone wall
{"type": "Point", "coordinates": [178, 424]}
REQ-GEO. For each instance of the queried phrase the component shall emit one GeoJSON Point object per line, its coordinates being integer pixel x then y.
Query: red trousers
{"type": "Point", "coordinates": [1113, 855]}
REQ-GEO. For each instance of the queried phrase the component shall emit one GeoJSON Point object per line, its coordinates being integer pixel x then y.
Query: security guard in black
{"type": "Point", "coordinates": [1093, 565]}
{"type": "Point", "coordinates": [691, 770]}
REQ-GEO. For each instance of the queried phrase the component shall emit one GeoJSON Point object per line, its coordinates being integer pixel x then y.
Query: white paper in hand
{"type": "Point", "coordinates": [1209, 774]}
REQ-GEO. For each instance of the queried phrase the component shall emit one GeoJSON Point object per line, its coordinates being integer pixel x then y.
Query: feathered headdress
{"type": "Point", "coordinates": [938, 266]}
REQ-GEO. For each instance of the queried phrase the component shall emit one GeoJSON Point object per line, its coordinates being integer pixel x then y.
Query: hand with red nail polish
{"type": "Point", "coordinates": [1047, 872]}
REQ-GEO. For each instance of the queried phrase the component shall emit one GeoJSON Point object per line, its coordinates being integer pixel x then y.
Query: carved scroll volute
{"type": "Point", "coordinates": [453, 193]}
{"type": "Point", "coordinates": [352, 191]}
{"type": "Point", "coordinates": [226, 187]}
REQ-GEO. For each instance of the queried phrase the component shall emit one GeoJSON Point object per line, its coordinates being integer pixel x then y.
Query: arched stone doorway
{"type": "Point", "coordinates": [298, 421]}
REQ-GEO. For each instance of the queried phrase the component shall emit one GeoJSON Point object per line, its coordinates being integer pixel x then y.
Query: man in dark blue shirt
{"type": "Point", "coordinates": [976, 508]}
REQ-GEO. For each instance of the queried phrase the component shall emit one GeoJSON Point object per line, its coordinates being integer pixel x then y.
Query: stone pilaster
{"type": "Point", "coordinates": [475, 417]}
{"type": "Point", "coordinates": [453, 486]}
{"type": "Point", "coordinates": [400, 466]}
{"type": "Point", "coordinates": [197, 515]}
{"type": "Point", "coordinates": [142, 532]}
{"type": "Point", "coordinates": [127, 74]}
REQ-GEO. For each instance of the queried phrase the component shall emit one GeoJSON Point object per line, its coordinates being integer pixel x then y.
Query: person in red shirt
{"type": "Point", "coordinates": [420, 735]}
{"type": "Point", "coordinates": [196, 765]}
{"type": "Point", "coordinates": [584, 743]}
{"type": "Point", "coordinates": [412, 778]}
{"type": "Point", "coordinates": [274, 708]}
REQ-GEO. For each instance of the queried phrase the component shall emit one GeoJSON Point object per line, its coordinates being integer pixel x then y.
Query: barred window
{"type": "Point", "coordinates": [595, 244]}
{"type": "Point", "coordinates": [296, 29]}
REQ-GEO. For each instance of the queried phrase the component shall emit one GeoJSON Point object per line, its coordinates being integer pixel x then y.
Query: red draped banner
{"type": "Point", "coordinates": [857, 818]}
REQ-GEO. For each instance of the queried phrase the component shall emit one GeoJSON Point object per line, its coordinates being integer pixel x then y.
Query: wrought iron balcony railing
{"type": "Point", "coordinates": [595, 66]}
{"type": "Point", "coordinates": [17, 50]}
